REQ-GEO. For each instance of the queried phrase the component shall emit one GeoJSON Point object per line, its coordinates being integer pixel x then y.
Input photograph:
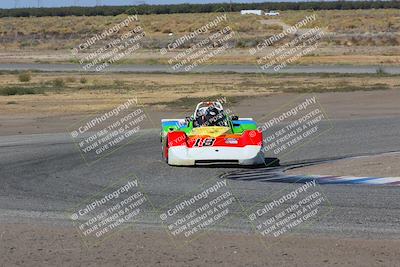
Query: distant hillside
{"type": "Point", "coordinates": [194, 8]}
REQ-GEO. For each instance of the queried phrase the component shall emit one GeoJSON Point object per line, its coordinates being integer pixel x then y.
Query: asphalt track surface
{"type": "Point", "coordinates": [203, 69]}
{"type": "Point", "coordinates": [43, 176]}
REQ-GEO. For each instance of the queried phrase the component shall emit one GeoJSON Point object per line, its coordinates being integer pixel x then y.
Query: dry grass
{"type": "Point", "coordinates": [65, 32]}
{"type": "Point", "coordinates": [354, 36]}
{"type": "Point", "coordinates": [340, 21]}
{"type": "Point", "coordinates": [350, 21]}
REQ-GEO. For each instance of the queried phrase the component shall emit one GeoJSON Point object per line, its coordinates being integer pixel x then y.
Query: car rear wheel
{"type": "Point", "coordinates": [164, 152]}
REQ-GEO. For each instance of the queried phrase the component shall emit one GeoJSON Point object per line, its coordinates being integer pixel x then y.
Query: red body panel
{"type": "Point", "coordinates": [179, 138]}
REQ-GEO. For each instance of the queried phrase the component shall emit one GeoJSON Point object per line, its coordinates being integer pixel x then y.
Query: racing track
{"type": "Point", "coordinates": [42, 176]}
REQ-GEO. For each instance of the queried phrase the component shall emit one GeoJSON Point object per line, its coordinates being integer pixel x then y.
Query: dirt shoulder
{"type": "Point", "coordinates": [51, 113]}
{"type": "Point", "coordinates": [385, 165]}
{"type": "Point", "coordinates": [61, 246]}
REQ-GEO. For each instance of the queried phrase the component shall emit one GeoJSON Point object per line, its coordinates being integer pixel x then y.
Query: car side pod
{"type": "Point", "coordinates": [252, 137]}
{"type": "Point", "coordinates": [176, 148]}
{"type": "Point", "coordinates": [176, 138]}
{"type": "Point", "coordinates": [254, 141]}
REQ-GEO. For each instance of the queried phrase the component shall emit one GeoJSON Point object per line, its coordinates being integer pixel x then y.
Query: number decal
{"type": "Point", "coordinates": [206, 142]}
{"type": "Point", "coordinates": [209, 142]}
{"type": "Point", "coordinates": [197, 143]}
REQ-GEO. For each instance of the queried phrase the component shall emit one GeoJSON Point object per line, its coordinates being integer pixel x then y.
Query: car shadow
{"type": "Point", "coordinates": [268, 162]}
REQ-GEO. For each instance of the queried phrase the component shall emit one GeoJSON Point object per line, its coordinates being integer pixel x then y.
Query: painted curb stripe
{"type": "Point", "coordinates": [275, 176]}
{"type": "Point", "coordinates": [343, 180]}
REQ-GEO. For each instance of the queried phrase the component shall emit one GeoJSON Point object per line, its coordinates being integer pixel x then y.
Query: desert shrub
{"type": "Point", "coordinates": [166, 30]}
{"type": "Point", "coordinates": [71, 79]}
{"type": "Point", "coordinates": [119, 83]}
{"type": "Point", "coordinates": [20, 91]}
{"type": "Point", "coordinates": [58, 82]}
{"type": "Point", "coordinates": [24, 77]}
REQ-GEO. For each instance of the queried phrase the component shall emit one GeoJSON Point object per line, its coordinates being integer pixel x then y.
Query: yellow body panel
{"type": "Point", "coordinates": [213, 131]}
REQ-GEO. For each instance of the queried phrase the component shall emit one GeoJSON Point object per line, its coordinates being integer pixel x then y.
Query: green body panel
{"type": "Point", "coordinates": [237, 126]}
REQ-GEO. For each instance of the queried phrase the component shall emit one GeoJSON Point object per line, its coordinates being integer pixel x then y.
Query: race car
{"type": "Point", "coordinates": [211, 136]}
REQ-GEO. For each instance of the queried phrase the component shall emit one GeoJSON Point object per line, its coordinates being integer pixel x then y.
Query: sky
{"type": "Point", "coordinates": [57, 3]}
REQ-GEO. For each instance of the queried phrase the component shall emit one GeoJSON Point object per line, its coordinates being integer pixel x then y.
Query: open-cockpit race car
{"type": "Point", "coordinates": [211, 136]}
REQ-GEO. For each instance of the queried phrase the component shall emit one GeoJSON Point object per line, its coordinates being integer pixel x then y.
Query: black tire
{"type": "Point", "coordinates": [163, 150]}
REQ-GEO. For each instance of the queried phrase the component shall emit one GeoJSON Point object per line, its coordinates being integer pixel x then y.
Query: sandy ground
{"type": "Point", "coordinates": [54, 113]}
{"type": "Point", "coordinates": [333, 54]}
{"type": "Point", "coordinates": [44, 245]}
{"type": "Point", "coordinates": [385, 165]}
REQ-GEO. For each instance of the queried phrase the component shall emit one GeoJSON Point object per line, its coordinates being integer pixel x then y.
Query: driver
{"type": "Point", "coordinates": [213, 117]}
{"type": "Point", "coordinates": [200, 116]}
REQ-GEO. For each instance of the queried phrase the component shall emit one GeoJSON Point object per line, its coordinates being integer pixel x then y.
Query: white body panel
{"type": "Point", "coordinates": [184, 156]}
